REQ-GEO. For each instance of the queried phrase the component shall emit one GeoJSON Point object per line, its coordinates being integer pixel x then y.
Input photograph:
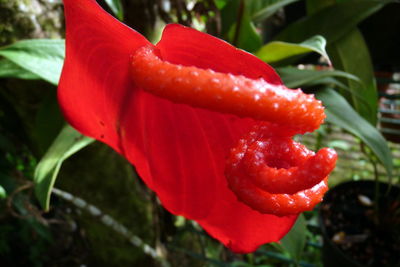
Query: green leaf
{"type": "Point", "coordinates": [220, 3]}
{"type": "Point", "coordinates": [341, 113]}
{"type": "Point", "coordinates": [9, 69]}
{"type": "Point", "coordinates": [295, 240]}
{"type": "Point", "coordinates": [332, 22]}
{"type": "Point", "coordinates": [255, 6]}
{"type": "Point", "coordinates": [294, 78]}
{"type": "Point", "coordinates": [316, 5]}
{"type": "Point", "coordinates": [67, 143]}
{"type": "Point", "coordinates": [3, 193]}
{"type": "Point", "coordinates": [329, 81]}
{"type": "Point", "coordinates": [246, 36]}
{"type": "Point", "coordinates": [48, 121]}
{"type": "Point", "coordinates": [43, 57]}
{"type": "Point", "coordinates": [238, 28]}
{"type": "Point", "coordinates": [229, 14]}
{"type": "Point", "coordinates": [116, 8]}
{"type": "Point", "coordinates": [277, 50]}
{"type": "Point", "coordinates": [270, 9]}
{"type": "Point", "coordinates": [350, 54]}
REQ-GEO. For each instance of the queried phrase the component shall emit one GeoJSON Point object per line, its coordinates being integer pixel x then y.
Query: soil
{"type": "Point", "coordinates": [367, 233]}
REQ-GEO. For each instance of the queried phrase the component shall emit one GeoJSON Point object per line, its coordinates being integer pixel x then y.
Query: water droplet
{"type": "Point", "coordinates": [210, 71]}
{"type": "Point", "coordinates": [178, 79]}
{"type": "Point", "coordinates": [194, 73]}
{"type": "Point", "coordinates": [215, 81]}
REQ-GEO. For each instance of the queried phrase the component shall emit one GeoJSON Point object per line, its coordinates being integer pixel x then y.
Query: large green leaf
{"type": "Point", "coordinates": [295, 240]}
{"type": "Point", "coordinates": [68, 142]}
{"type": "Point", "coordinates": [229, 15]}
{"type": "Point", "coordinates": [332, 22]}
{"type": "Point", "coordinates": [9, 69]}
{"type": "Point", "coordinates": [116, 8]}
{"type": "Point", "coordinates": [294, 77]}
{"type": "Point", "coordinates": [48, 121]}
{"type": "Point", "coordinates": [278, 50]}
{"type": "Point", "coordinates": [268, 10]}
{"type": "Point", "coordinates": [43, 57]}
{"type": "Point", "coordinates": [316, 5]}
{"type": "Point", "coordinates": [341, 113]}
{"type": "Point", "coordinates": [350, 54]}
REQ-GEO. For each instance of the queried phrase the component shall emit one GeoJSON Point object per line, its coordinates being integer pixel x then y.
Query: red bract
{"type": "Point", "coordinates": [180, 151]}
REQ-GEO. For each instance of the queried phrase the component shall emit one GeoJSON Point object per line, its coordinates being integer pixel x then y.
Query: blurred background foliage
{"type": "Point", "coordinates": [100, 213]}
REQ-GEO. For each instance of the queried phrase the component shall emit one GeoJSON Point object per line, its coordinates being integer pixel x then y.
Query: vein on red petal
{"type": "Point", "coordinates": [95, 76]}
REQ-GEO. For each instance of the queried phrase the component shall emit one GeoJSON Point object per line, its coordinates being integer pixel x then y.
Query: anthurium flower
{"type": "Point", "coordinates": [187, 114]}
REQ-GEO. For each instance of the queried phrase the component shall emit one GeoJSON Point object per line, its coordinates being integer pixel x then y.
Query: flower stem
{"type": "Point", "coordinates": [113, 224]}
{"type": "Point", "coordinates": [238, 23]}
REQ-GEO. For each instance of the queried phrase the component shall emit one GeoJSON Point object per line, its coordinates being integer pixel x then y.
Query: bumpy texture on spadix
{"type": "Point", "coordinates": [276, 175]}
{"type": "Point", "coordinates": [226, 93]}
{"type": "Point", "coordinates": [267, 170]}
{"type": "Point", "coordinates": [179, 151]}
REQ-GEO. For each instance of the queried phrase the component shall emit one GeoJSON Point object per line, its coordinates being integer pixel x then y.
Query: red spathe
{"type": "Point", "coordinates": [178, 150]}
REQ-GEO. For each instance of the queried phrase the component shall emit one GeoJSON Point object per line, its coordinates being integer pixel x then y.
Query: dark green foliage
{"type": "Point", "coordinates": [32, 131]}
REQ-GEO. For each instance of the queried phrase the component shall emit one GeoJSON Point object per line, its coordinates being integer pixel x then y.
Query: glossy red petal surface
{"type": "Point", "coordinates": [95, 85]}
{"type": "Point", "coordinates": [186, 46]}
{"type": "Point", "coordinates": [179, 151]}
{"type": "Point", "coordinates": [187, 150]}
{"type": "Point", "coordinates": [227, 219]}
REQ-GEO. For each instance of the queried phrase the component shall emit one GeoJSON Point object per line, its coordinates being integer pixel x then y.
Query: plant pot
{"type": "Point", "coordinates": [389, 107]}
{"type": "Point", "coordinates": [355, 233]}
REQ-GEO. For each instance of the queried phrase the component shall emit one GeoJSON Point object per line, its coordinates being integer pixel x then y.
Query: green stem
{"type": "Point", "coordinates": [238, 23]}
{"type": "Point", "coordinates": [113, 224]}
{"type": "Point", "coordinates": [376, 179]}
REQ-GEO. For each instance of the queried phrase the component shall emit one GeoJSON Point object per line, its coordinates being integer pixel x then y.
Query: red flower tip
{"type": "Point", "coordinates": [186, 112]}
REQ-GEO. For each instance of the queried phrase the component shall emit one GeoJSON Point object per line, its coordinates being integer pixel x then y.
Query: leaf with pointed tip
{"type": "Point", "coordinates": [42, 57]}
{"type": "Point", "coordinates": [269, 10]}
{"type": "Point", "coordinates": [341, 113]}
{"type": "Point", "coordinates": [359, 64]}
{"type": "Point", "coordinates": [67, 143]}
{"type": "Point", "coordinates": [116, 8]}
{"type": "Point", "coordinates": [294, 78]}
{"type": "Point", "coordinates": [332, 22]}
{"type": "Point", "coordinates": [277, 50]}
